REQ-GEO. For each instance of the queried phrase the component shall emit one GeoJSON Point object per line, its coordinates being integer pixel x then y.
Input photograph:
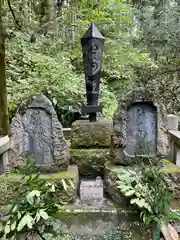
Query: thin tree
{"type": "Point", "coordinates": [4, 120]}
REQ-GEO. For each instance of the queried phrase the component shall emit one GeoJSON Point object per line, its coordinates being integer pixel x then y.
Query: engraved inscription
{"type": "Point", "coordinates": [38, 140]}
{"type": "Point", "coordinates": [141, 129]}
{"type": "Point", "coordinates": [91, 190]}
{"type": "Point", "coordinates": [94, 56]}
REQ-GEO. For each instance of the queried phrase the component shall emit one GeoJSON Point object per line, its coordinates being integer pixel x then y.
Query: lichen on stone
{"type": "Point", "coordinates": [90, 162]}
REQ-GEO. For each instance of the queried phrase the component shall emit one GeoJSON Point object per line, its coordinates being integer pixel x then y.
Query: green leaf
{"type": "Point", "coordinates": [141, 203]}
{"type": "Point", "coordinates": [134, 200]}
{"type": "Point", "coordinates": [125, 189]}
{"type": "Point", "coordinates": [64, 184]}
{"type": "Point", "coordinates": [38, 217]}
{"type": "Point", "coordinates": [129, 193]}
{"type": "Point", "coordinates": [43, 214]}
{"type": "Point", "coordinates": [13, 226]}
{"type": "Point", "coordinates": [53, 188]}
{"type": "Point", "coordinates": [7, 229]}
{"type": "Point", "coordinates": [132, 172]}
{"type": "Point", "coordinates": [31, 195]}
{"type": "Point", "coordinates": [19, 215]}
{"type": "Point", "coordinates": [26, 220]}
{"type": "Point", "coordinates": [71, 183]}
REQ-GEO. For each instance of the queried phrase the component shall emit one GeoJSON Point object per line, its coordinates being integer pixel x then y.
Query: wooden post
{"type": "Point", "coordinates": [4, 120]}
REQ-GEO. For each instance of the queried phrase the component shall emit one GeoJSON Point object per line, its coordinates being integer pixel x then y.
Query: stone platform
{"type": "Point", "coordinates": [100, 219]}
{"type": "Point", "coordinates": [10, 183]}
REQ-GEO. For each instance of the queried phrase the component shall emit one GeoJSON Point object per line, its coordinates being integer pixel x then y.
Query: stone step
{"type": "Point", "coordinates": [99, 219]}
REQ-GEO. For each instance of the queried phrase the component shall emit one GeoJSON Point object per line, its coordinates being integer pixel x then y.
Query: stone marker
{"type": "Point", "coordinates": [140, 128]}
{"type": "Point", "coordinates": [91, 190]}
{"type": "Point", "coordinates": [37, 134]}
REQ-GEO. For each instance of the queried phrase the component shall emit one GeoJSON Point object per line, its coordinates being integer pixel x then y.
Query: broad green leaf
{"type": "Point", "coordinates": [7, 229]}
{"type": "Point", "coordinates": [30, 199]}
{"type": "Point", "coordinates": [134, 200]}
{"type": "Point", "coordinates": [129, 193]}
{"type": "Point", "coordinates": [13, 226]}
{"type": "Point", "coordinates": [31, 195]}
{"type": "Point", "coordinates": [132, 172]}
{"type": "Point", "coordinates": [141, 203]}
{"type": "Point", "coordinates": [19, 215]}
{"type": "Point", "coordinates": [38, 217]}
{"type": "Point", "coordinates": [43, 214]}
{"type": "Point", "coordinates": [26, 220]}
{"type": "Point", "coordinates": [30, 222]}
{"type": "Point", "coordinates": [35, 193]}
{"type": "Point", "coordinates": [125, 189]}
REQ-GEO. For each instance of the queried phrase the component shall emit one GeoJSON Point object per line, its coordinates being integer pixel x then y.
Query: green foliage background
{"type": "Point", "coordinates": [141, 48]}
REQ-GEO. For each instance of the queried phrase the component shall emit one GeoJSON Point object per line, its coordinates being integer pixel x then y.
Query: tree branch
{"type": "Point", "coordinates": [15, 19]}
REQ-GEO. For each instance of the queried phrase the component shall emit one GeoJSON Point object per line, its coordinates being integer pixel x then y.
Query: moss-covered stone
{"type": "Point", "coordinates": [172, 176]}
{"type": "Point", "coordinates": [111, 172]}
{"type": "Point", "coordinates": [90, 162]}
{"type": "Point", "coordinates": [85, 134]}
{"type": "Point", "coordinates": [99, 223]}
{"type": "Point", "coordinates": [9, 188]}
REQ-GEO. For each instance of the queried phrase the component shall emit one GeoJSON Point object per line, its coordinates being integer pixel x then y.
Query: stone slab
{"type": "Point", "coordinates": [100, 221]}
{"type": "Point", "coordinates": [139, 128]}
{"type": "Point", "coordinates": [85, 134]}
{"type": "Point", "coordinates": [91, 190]}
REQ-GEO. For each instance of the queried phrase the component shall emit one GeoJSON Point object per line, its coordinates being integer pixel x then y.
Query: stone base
{"type": "Point", "coordinates": [100, 221]}
{"type": "Point", "coordinates": [85, 134]}
{"type": "Point", "coordinates": [90, 162]}
{"type": "Point", "coordinates": [9, 187]}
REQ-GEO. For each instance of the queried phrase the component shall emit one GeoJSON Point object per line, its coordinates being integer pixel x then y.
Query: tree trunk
{"type": "Point", "coordinates": [51, 9]}
{"type": "Point", "coordinates": [4, 120]}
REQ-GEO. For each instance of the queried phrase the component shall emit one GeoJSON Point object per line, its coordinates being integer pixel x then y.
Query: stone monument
{"type": "Point", "coordinates": [91, 139]}
{"type": "Point", "coordinates": [92, 190]}
{"type": "Point", "coordinates": [140, 128]}
{"type": "Point", "coordinates": [37, 134]}
{"type": "Point", "coordinates": [139, 134]}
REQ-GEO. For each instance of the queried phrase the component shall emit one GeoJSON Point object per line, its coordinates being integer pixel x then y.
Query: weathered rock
{"type": "Point", "coordinates": [85, 134]}
{"type": "Point", "coordinates": [140, 128]}
{"type": "Point", "coordinates": [110, 178]}
{"type": "Point", "coordinates": [37, 134]}
{"type": "Point", "coordinates": [10, 189]}
{"type": "Point", "coordinates": [90, 162]}
{"type": "Point", "coordinates": [172, 176]}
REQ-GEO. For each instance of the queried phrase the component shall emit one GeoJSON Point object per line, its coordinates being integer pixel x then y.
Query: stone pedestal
{"type": "Point", "coordinates": [90, 144]}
